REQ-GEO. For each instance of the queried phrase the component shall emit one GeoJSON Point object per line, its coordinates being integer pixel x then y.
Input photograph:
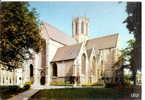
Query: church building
{"type": "Point", "coordinates": [77, 59]}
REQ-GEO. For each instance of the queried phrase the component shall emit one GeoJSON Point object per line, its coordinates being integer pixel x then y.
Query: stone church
{"type": "Point", "coordinates": [77, 59]}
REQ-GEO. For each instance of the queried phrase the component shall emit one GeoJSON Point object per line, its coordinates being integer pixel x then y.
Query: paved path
{"type": "Point", "coordinates": [25, 95]}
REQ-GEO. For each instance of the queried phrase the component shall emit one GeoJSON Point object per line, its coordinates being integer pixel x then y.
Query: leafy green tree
{"type": "Point", "coordinates": [19, 33]}
{"type": "Point", "coordinates": [133, 24]}
{"type": "Point", "coordinates": [126, 59]}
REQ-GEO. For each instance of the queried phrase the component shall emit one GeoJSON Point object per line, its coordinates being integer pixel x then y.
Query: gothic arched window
{"type": "Point", "coordinates": [86, 28]}
{"type": "Point", "coordinates": [83, 63]}
{"type": "Point", "coordinates": [82, 27]}
{"type": "Point", "coordinates": [94, 65]}
{"type": "Point", "coordinates": [76, 28]}
{"type": "Point", "coordinates": [44, 55]}
{"type": "Point", "coordinates": [31, 70]}
{"type": "Point", "coordinates": [10, 80]}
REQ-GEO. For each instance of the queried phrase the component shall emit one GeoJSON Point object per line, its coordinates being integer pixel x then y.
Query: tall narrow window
{"type": "Point", "coordinates": [82, 27]}
{"type": "Point", "coordinates": [87, 28]}
{"type": "Point", "coordinates": [94, 66]}
{"type": "Point", "coordinates": [31, 70]}
{"type": "Point", "coordinates": [44, 55]}
{"type": "Point", "coordinates": [84, 64]}
{"type": "Point", "coordinates": [76, 28]}
{"type": "Point", "coordinates": [54, 69]}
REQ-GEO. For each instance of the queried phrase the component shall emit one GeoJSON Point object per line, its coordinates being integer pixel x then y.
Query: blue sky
{"type": "Point", "coordinates": [105, 17]}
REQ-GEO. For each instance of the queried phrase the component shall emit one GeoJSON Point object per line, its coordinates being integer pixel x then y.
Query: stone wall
{"type": "Point", "coordinates": [13, 77]}
{"type": "Point", "coordinates": [39, 65]}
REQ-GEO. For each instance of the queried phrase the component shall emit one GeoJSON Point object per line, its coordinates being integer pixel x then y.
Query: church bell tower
{"type": "Point", "coordinates": [80, 29]}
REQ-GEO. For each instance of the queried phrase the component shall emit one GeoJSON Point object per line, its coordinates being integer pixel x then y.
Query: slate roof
{"type": "Point", "coordinates": [104, 42]}
{"type": "Point", "coordinates": [58, 35]}
{"type": "Point", "coordinates": [67, 52]}
{"type": "Point", "coordinates": [72, 51]}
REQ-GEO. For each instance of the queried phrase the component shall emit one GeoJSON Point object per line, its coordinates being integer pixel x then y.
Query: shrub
{"type": "Point", "coordinates": [60, 83]}
{"type": "Point", "coordinates": [88, 84]}
{"type": "Point", "coordinates": [125, 84]}
{"type": "Point", "coordinates": [13, 88]}
{"type": "Point", "coordinates": [111, 85]}
{"type": "Point", "coordinates": [99, 83]}
{"type": "Point", "coordinates": [27, 85]}
{"type": "Point", "coordinates": [28, 82]}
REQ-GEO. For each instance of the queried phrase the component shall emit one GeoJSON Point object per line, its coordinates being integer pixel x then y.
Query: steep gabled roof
{"type": "Point", "coordinates": [104, 42]}
{"type": "Point", "coordinates": [58, 35]}
{"type": "Point", "coordinates": [67, 52]}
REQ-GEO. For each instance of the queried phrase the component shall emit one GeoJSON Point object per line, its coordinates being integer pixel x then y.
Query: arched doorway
{"type": "Point", "coordinates": [83, 64]}
{"type": "Point", "coordinates": [31, 73]}
{"type": "Point", "coordinates": [54, 69]}
{"type": "Point", "coordinates": [42, 79]}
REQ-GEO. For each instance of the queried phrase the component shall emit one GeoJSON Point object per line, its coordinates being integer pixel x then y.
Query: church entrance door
{"type": "Point", "coordinates": [31, 73]}
{"type": "Point", "coordinates": [42, 79]}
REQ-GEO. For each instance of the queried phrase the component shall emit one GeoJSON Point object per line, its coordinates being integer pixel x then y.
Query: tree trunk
{"type": "Point", "coordinates": [134, 76]}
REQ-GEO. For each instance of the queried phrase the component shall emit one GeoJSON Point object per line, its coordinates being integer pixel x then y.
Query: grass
{"type": "Point", "coordinates": [9, 91]}
{"type": "Point", "coordinates": [80, 94]}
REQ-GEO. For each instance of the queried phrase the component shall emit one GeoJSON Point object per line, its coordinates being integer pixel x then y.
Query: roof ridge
{"type": "Point", "coordinates": [71, 45]}
{"type": "Point", "coordinates": [44, 23]}
{"type": "Point", "coordinates": [57, 34]}
{"type": "Point", "coordinates": [57, 29]}
{"type": "Point", "coordinates": [106, 36]}
{"type": "Point", "coordinates": [108, 41]}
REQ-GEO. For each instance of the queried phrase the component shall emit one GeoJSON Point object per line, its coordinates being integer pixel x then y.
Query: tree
{"type": "Point", "coordinates": [126, 59]}
{"type": "Point", "coordinates": [20, 34]}
{"type": "Point", "coordinates": [133, 22]}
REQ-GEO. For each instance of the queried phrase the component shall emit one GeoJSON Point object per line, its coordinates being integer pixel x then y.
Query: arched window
{"type": "Point", "coordinates": [76, 27]}
{"type": "Point", "coordinates": [84, 64]}
{"type": "Point", "coordinates": [102, 62]}
{"type": "Point", "coordinates": [43, 55]}
{"type": "Point", "coordinates": [87, 28]}
{"type": "Point", "coordinates": [94, 65]}
{"type": "Point", "coordinates": [31, 70]}
{"type": "Point", "coordinates": [102, 69]}
{"type": "Point", "coordinates": [10, 80]}
{"type": "Point", "coordinates": [54, 69]}
{"type": "Point", "coordinates": [3, 80]}
{"type": "Point", "coordinates": [82, 27]}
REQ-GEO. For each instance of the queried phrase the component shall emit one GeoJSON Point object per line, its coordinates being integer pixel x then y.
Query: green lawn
{"type": "Point", "coordinates": [9, 91]}
{"type": "Point", "coordinates": [81, 94]}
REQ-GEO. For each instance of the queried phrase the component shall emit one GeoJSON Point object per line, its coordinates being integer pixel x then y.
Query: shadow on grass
{"type": "Point", "coordinates": [81, 94]}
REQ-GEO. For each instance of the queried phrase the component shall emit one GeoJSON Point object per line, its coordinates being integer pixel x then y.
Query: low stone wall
{"type": "Point", "coordinates": [7, 77]}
